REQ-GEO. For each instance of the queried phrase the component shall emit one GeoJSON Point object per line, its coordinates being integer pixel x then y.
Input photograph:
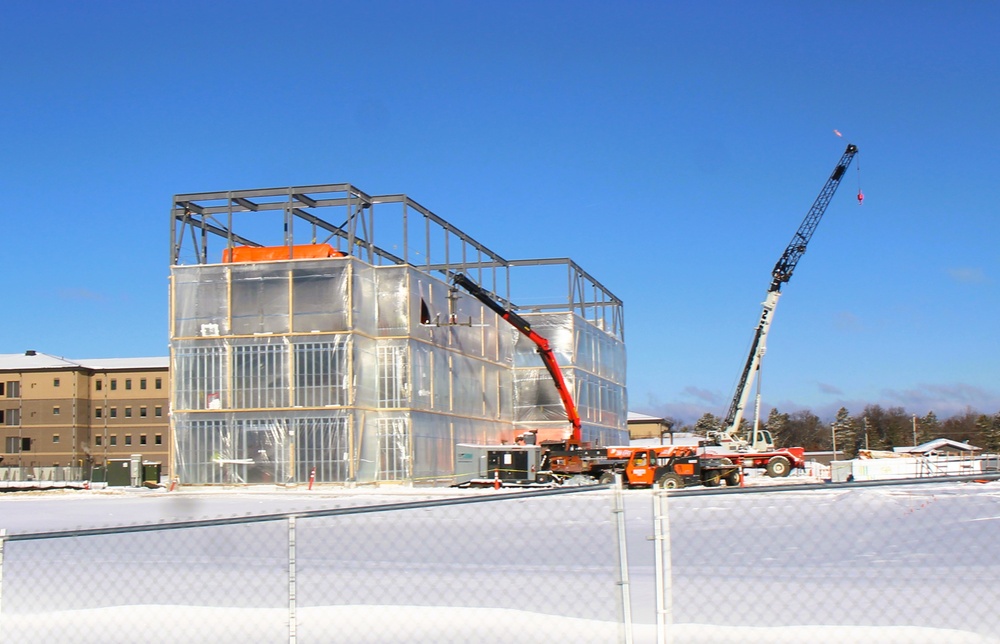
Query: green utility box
{"type": "Point", "coordinates": [151, 473]}
{"type": "Point", "coordinates": [119, 472]}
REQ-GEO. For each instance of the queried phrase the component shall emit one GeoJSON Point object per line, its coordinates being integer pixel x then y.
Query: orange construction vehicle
{"type": "Point", "coordinates": [555, 462]}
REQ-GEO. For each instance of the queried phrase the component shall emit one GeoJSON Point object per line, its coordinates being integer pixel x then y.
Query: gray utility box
{"type": "Point", "coordinates": [480, 464]}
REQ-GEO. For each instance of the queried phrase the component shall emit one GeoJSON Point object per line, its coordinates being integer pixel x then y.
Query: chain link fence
{"type": "Point", "coordinates": [796, 563]}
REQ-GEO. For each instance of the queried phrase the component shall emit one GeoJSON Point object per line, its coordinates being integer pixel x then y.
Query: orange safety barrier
{"type": "Point", "coordinates": [278, 253]}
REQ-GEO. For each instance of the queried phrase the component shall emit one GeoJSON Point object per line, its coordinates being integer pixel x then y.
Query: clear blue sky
{"type": "Point", "coordinates": [670, 148]}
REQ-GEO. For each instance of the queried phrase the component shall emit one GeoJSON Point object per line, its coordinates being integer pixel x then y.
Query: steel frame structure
{"type": "Point", "coordinates": [431, 244]}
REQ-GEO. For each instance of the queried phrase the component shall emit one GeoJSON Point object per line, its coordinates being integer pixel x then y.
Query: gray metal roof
{"type": "Point", "coordinates": [33, 360]}
{"type": "Point", "coordinates": [938, 444]}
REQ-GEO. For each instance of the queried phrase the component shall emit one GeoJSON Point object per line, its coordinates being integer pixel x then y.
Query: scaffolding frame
{"type": "Point", "coordinates": [306, 214]}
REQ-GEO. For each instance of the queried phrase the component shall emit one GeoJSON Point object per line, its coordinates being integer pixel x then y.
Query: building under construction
{"type": "Point", "coordinates": [316, 331]}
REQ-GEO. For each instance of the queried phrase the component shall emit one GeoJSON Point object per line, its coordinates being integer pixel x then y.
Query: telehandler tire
{"type": "Point", "coordinates": [671, 481]}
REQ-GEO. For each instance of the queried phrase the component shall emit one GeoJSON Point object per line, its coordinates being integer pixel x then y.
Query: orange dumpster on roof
{"type": "Point", "coordinates": [278, 253]}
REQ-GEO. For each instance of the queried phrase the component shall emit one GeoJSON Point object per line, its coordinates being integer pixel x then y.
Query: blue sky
{"type": "Point", "coordinates": [670, 148]}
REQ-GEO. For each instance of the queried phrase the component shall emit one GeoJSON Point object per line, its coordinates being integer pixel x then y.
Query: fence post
{"type": "Point", "coordinates": [625, 602]}
{"type": "Point", "coordinates": [292, 618]}
{"type": "Point", "coordinates": [662, 563]}
{"type": "Point", "coordinates": [3, 538]}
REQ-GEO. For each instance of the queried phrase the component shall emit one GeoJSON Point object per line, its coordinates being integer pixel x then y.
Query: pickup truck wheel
{"type": "Point", "coordinates": [778, 466]}
{"type": "Point", "coordinates": [671, 481]}
{"type": "Point", "coordinates": [607, 478]}
{"type": "Point", "coordinates": [712, 479]}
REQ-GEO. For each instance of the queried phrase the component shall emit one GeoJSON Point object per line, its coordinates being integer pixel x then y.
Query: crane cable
{"type": "Point", "coordinates": [861, 195]}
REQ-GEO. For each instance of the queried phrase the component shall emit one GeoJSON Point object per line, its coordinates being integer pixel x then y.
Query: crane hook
{"type": "Point", "coordinates": [861, 197]}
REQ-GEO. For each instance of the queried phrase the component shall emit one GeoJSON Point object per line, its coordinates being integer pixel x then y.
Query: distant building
{"type": "Point", "coordinates": [939, 447]}
{"type": "Point", "coordinates": [643, 426]}
{"type": "Point", "coordinates": [57, 413]}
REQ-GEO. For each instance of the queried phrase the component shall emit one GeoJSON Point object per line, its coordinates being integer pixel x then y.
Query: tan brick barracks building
{"type": "Point", "coordinates": [59, 413]}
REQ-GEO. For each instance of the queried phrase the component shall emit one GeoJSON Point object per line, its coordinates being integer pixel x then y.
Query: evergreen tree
{"type": "Point", "coordinates": [845, 432]}
{"type": "Point", "coordinates": [928, 428]}
{"type": "Point", "coordinates": [991, 433]}
{"type": "Point", "coordinates": [707, 423]}
{"type": "Point", "coordinates": [777, 424]}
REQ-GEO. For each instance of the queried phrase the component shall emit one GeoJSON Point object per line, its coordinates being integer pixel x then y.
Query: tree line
{"type": "Point", "coordinates": [876, 428]}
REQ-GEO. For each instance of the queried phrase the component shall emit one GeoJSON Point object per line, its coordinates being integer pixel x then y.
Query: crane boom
{"type": "Point", "coordinates": [781, 273]}
{"type": "Point", "coordinates": [544, 350]}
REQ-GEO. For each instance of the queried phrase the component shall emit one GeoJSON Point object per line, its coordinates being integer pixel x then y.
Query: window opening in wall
{"type": "Point", "coordinates": [142, 412]}
{"type": "Point", "coordinates": [392, 380]}
{"type": "Point", "coordinates": [114, 384]}
{"type": "Point", "coordinates": [55, 411]}
{"type": "Point", "coordinates": [3, 388]}
{"type": "Point", "coordinates": [142, 383]}
{"type": "Point", "coordinates": [113, 440]}
{"type": "Point", "coordinates": [128, 383]}
{"type": "Point", "coordinates": [113, 412]}
{"type": "Point", "coordinates": [98, 412]}
{"type": "Point", "coordinates": [13, 389]}
{"type": "Point", "coordinates": [158, 411]}
{"type": "Point", "coordinates": [158, 383]}
{"type": "Point", "coordinates": [260, 376]}
{"type": "Point", "coordinates": [98, 440]}
{"type": "Point", "coordinates": [55, 438]}
{"type": "Point", "coordinates": [15, 444]}
{"type": "Point", "coordinates": [128, 439]}
{"type": "Point", "coordinates": [202, 374]}
{"type": "Point", "coordinates": [158, 439]}
{"type": "Point", "coordinates": [142, 439]}
{"type": "Point", "coordinates": [322, 443]}
{"type": "Point", "coordinates": [321, 378]}
{"type": "Point", "coordinates": [392, 457]}
{"type": "Point", "coordinates": [128, 412]}
{"type": "Point", "coordinates": [55, 382]}
{"type": "Point", "coordinates": [98, 385]}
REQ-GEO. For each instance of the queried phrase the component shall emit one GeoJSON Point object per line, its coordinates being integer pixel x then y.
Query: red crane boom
{"type": "Point", "coordinates": [544, 350]}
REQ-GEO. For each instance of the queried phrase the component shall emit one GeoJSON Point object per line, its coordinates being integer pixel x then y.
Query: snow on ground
{"type": "Point", "coordinates": [914, 563]}
{"type": "Point", "coordinates": [420, 624]}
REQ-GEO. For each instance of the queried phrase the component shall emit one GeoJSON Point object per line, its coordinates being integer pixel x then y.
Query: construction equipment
{"type": "Point", "coordinates": [759, 450]}
{"type": "Point", "coordinates": [668, 466]}
{"type": "Point", "coordinates": [571, 460]}
{"type": "Point", "coordinates": [544, 350]}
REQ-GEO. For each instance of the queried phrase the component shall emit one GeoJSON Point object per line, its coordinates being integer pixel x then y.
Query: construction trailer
{"type": "Point", "coordinates": [303, 345]}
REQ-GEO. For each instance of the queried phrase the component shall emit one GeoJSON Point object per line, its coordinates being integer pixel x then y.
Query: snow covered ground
{"type": "Point", "coordinates": [915, 563]}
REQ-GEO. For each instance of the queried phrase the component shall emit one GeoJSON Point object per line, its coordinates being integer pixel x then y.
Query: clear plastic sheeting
{"type": "Point", "coordinates": [593, 365]}
{"type": "Point", "coordinates": [353, 373]}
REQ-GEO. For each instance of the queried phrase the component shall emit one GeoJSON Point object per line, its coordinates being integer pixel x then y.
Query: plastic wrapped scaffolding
{"type": "Point", "coordinates": [281, 367]}
{"type": "Point", "coordinates": [362, 371]}
{"type": "Point", "coordinates": [593, 364]}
